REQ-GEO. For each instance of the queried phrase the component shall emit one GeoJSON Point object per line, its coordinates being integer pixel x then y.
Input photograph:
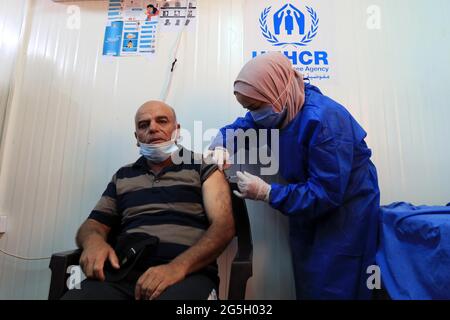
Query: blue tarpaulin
{"type": "Point", "coordinates": [414, 251]}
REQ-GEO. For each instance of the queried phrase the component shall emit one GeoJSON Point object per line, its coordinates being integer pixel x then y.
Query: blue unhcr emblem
{"type": "Point", "coordinates": [293, 20]}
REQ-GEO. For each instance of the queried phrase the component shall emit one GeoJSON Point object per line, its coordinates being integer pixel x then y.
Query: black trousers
{"type": "Point", "coordinates": [196, 286]}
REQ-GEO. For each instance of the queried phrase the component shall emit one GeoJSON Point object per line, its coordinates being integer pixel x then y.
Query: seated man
{"type": "Point", "coordinates": [187, 206]}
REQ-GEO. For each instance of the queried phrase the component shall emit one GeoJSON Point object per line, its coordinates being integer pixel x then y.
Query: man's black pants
{"type": "Point", "coordinates": [194, 287]}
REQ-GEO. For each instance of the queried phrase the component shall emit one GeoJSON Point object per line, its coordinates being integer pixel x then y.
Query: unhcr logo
{"type": "Point", "coordinates": [289, 24]}
{"type": "Point", "coordinates": [290, 30]}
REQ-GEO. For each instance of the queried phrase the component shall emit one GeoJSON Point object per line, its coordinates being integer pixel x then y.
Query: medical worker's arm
{"type": "Point", "coordinates": [222, 138]}
{"type": "Point", "coordinates": [217, 202]}
{"type": "Point", "coordinates": [329, 168]}
{"type": "Point", "coordinates": [225, 143]}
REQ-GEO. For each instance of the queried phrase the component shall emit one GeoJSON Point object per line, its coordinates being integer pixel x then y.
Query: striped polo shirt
{"type": "Point", "coordinates": [168, 205]}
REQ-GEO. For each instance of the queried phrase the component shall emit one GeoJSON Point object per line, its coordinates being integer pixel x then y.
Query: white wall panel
{"type": "Point", "coordinates": [11, 18]}
{"type": "Point", "coordinates": [70, 120]}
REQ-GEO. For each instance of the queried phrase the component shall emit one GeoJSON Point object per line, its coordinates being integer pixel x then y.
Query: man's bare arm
{"type": "Point", "coordinates": [217, 203]}
{"type": "Point", "coordinates": [91, 237]}
{"type": "Point", "coordinates": [91, 230]}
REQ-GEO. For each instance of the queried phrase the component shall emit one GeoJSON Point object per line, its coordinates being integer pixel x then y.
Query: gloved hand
{"type": "Point", "coordinates": [252, 187]}
{"type": "Point", "coordinates": [221, 157]}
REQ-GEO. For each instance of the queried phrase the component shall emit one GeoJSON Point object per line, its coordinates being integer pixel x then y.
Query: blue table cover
{"type": "Point", "coordinates": [414, 251]}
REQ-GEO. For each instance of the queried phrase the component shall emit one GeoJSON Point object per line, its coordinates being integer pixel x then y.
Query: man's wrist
{"type": "Point", "coordinates": [91, 240]}
{"type": "Point", "coordinates": [180, 266]}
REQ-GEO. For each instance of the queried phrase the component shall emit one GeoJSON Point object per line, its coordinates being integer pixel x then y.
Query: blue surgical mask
{"type": "Point", "coordinates": [267, 118]}
{"type": "Point", "coordinates": [159, 152]}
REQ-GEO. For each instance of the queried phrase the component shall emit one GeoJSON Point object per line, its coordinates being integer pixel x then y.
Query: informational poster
{"type": "Point", "coordinates": [176, 15]}
{"type": "Point", "coordinates": [132, 28]}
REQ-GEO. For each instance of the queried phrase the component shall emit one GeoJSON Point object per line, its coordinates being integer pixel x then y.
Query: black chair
{"type": "Point", "coordinates": [241, 267]}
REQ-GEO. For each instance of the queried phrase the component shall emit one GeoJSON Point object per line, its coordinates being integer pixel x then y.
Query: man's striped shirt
{"type": "Point", "coordinates": [168, 205]}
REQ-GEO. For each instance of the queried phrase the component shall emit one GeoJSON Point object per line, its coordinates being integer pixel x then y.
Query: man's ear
{"type": "Point", "coordinates": [178, 131]}
{"type": "Point", "coordinates": [137, 140]}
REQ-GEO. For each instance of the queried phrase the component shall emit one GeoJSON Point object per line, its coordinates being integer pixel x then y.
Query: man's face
{"type": "Point", "coordinates": [155, 123]}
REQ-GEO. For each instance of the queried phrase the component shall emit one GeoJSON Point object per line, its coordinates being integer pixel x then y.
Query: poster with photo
{"type": "Point", "coordinates": [132, 28]}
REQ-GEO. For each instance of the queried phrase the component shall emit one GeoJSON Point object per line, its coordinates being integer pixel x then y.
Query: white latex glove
{"type": "Point", "coordinates": [252, 187]}
{"type": "Point", "coordinates": [221, 157]}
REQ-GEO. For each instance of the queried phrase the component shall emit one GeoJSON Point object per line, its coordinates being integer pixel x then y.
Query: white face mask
{"type": "Point", "coordinates": [159, 152]}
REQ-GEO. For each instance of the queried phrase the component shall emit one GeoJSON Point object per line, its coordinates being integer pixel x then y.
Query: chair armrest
{"type": "Point", "coordinates": [59, 263]}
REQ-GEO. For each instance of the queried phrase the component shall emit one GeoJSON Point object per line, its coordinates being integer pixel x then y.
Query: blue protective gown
{"type": "Point", "coordinates": [332, 199]}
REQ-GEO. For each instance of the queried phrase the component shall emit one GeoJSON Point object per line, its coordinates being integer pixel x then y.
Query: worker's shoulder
{"type": "Point", "coordinates": [320, 107]}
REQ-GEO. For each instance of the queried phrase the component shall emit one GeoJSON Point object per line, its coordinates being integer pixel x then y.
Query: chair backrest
{"type": "Point", "coordinates": [242, 223]}
{"type": "Point", "coordinates": [242, 267]}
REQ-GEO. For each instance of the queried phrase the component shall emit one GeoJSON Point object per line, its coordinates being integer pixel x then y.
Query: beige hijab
{"type": "Point", "coordinates": [270, 78]}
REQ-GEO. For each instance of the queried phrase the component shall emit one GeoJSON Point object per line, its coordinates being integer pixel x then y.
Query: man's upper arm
{"type": "Point", "coordinates": [105, 212]}
{"type": "Point", "coordinates": [217, 199]}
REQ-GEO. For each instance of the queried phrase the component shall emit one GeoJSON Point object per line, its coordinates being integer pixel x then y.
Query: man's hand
{"type": "Point", "coordinates": [94, 256]}
{"type": "Point", "coordinates": [157, 279]}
